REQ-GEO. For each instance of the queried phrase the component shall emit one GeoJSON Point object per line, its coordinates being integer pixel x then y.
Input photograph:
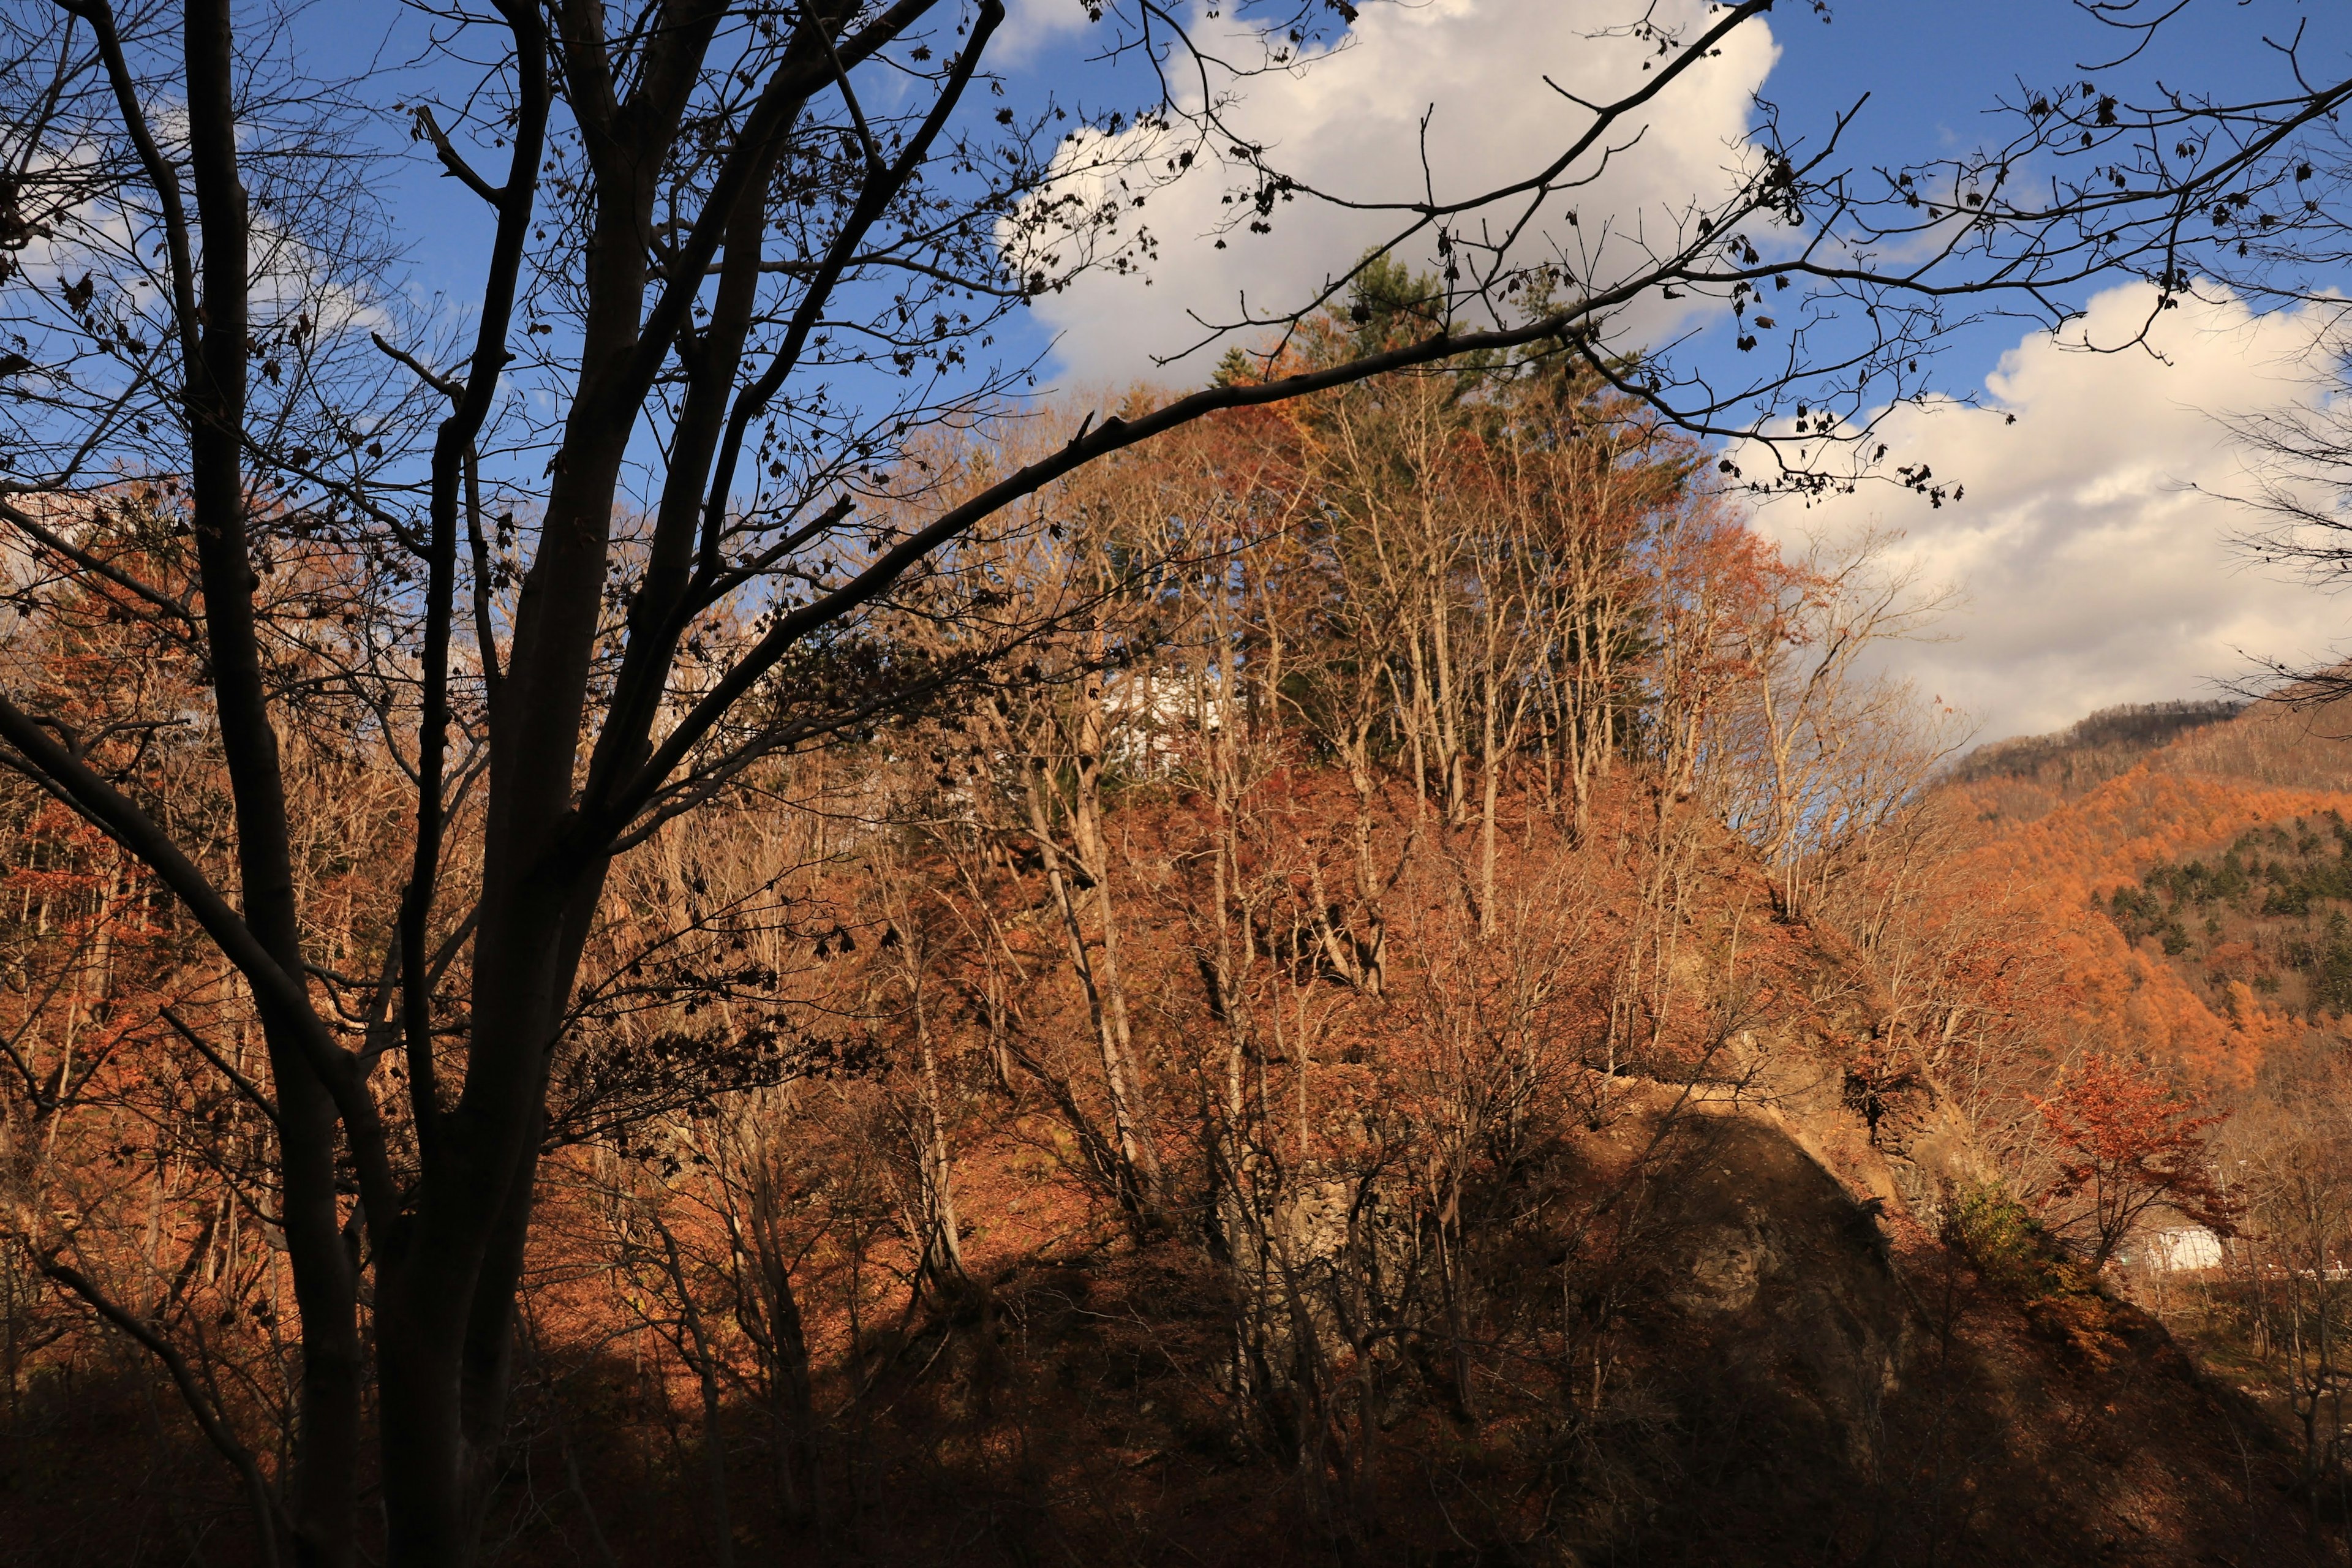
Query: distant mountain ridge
{"type": "Point", "coordinates": [2135, 726]}
{"type": "Point", "coordinates": [2076, 759]}
{"type": "Point", "coordinates": [2270, 743]}
{"type": "Point", "coordinates": [2191, 864]}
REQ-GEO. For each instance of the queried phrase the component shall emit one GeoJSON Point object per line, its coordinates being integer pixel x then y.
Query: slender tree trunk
{"type": "Point", "coordinates": [1490, 770]}
{"type": "Point", "coordinates": [942, 1246]}
{"type": "Point", "coordinates": [326, 1478]}
{"type": "Point", "coordinates": [705, 1373]}
{"type": "Point", "coordinates": [1138, 1165]}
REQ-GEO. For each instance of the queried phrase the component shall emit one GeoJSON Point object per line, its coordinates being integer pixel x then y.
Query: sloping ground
{"type": "Point", "coordinates": [1801, 1380]}
{"type": "Point", "coordinates": [1799, 1377]}
{"type": "Point", "coordinates": [1732, 1336]}
{"type": "Point", "coordinates": [1720, 1327]}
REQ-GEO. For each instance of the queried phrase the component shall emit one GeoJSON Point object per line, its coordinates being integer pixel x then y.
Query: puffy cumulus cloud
{"type": "Point", "coordinates": [1349, 121]}
{"type": "Point", "coordinates": [2093, 555]}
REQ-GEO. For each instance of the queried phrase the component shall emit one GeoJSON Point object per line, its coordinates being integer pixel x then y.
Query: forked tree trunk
{"type": "Point", "coordinates": [445, 1241]}
{"type": "Point", "coordinates": [446, 1298]}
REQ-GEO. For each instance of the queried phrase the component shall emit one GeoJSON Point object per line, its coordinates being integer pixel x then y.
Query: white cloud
{"type": "Point", "coordinates": [1031, 25]}
{"type": "Point", "coordinates": [2094, 573]}
{"type": "Point", "coordinates": [1351, 122]}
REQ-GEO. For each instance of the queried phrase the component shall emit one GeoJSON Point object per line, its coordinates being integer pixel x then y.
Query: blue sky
{"type": "Point", "coordinates": [1932, 70]}
{"type": "Point", "coordinates": [2028, 651]}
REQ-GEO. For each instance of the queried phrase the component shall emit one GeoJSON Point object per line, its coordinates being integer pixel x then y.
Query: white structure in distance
{"type": "Point", "coordinates": [2180, 1251]}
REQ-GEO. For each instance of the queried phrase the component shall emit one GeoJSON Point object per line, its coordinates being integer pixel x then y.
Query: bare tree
{"type": "Point", "coordinates": [704, 223]}
{"type": "Point", "coordinates": [1820, 754]}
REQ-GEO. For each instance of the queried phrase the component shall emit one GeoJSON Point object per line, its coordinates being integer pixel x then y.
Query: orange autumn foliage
{"type": "Point", "coordinates": [2130, 1144]}
{"type": "Point", "coordinates": [2128, 996]}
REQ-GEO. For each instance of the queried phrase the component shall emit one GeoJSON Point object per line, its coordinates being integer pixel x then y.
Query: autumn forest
{"type": "Point", "coordinates": [670, 916]}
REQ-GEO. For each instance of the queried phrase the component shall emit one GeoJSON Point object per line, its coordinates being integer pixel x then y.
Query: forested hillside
{"type": "Point", "coordinates": [1405, 1003]}
{"type": "Point", "coordinates": [2198, 902]}
{"type": "Point", "coordinates": [665, 899]}
{"type": "Point", "coordinates": [2216, 858]}
{"type": "Point", "coordinates": [2021, 777]}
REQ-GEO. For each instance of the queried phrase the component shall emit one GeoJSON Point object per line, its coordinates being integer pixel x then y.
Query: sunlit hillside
{"type": "Point", "coordinates": [2189, 865]}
